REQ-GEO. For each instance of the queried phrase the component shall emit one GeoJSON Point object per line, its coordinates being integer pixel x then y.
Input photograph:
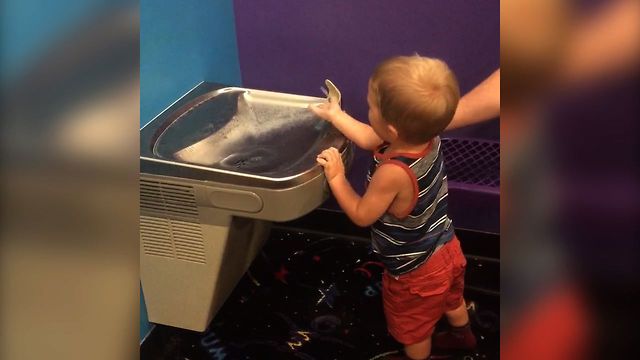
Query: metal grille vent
{"type": "Point", "coordinates": [161, 232]}
{"type": "Point", "coordinates": [170, 199]}
{"type": "Point", "coordinates": [155, 234]}
{"type": "Point", "coordinates": [188, 241]}
{"type": "Point", "coordinates": [473, 162]}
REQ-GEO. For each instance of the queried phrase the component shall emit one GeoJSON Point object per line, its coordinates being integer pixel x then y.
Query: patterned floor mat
{"type": "Point", "coordinates": [309, 296]}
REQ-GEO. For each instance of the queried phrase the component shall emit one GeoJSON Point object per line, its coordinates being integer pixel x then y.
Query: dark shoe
{"type": "Point", "coordinates": [396, 357]}
{"type": "Point", "coordinates": [399, 355]}
{"type": "Point", "coordinates": [456, 338]}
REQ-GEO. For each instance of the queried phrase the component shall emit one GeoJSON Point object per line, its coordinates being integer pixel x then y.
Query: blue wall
{"type": "Point", "coordinates": [181, 44]}
{"type": "Point", "coordinates": [27, 28]}
{"type": "Point", "coordinates": [145, 326]}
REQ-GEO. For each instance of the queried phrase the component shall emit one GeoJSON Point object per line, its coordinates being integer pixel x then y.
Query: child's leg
{"type": "Point", "coordinates": [459, 316]}
{"type": "Point", "coordinates": [459, 336]}
{"type": "Point", "coordinates": [413, 303]}
{"type": "Point", "coordinates": [419, 351]}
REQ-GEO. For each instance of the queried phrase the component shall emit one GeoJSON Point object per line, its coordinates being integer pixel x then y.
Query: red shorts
{"type": "Point", "coordinates": [414, 302]}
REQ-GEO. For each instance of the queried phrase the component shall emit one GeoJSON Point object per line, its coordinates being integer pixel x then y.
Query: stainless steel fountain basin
{"type": "Point", "coordinates": [238, 136]}
{"type": "Point", "coordinates": [248, 152]}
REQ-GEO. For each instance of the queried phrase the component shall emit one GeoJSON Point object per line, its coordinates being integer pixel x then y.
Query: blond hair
{"type": "Point", "coordinates": [417, 95]}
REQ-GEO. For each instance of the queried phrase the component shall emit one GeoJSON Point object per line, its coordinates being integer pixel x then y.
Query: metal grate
{"type": "Point", "coordinates": [169, 224]}
{"type": "Point", "coordinates": [155, 234]}
{"type": "Point", "coordinates": [170, 199]}
{"type": "Point", "coordinates": [472, 161]}
{"type": "Point", "coordinates": [188, 241]}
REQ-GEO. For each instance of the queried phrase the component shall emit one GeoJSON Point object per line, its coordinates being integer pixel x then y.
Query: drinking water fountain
{"type": "Point", "coordinates": [216, 168]}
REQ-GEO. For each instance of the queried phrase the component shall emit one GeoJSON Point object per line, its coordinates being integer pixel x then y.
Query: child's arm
{"type": "Point", "coordinates": [363, 211]}
{"type": "Point", "coordinates": [361, 134]}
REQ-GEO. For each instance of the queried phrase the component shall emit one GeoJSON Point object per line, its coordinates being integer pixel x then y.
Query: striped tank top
{"type": "Point", "coordinates": [405, 243]}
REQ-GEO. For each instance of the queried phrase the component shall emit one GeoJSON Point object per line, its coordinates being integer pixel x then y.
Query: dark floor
{"type": "Point", "coordinates": [316, 296]}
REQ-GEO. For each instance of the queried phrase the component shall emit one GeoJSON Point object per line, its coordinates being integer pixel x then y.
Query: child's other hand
{"type": "Point", "coordinates": [328, 111]}
{"type": "Point", "coordinates": [331, 160]}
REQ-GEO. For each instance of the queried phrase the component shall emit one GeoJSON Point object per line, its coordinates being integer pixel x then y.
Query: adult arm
{"type": "Point", "coordinates": [480, 104]}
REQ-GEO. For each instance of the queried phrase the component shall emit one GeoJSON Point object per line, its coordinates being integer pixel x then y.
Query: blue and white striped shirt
{"type": "Point", "coordinates": [403, 244]}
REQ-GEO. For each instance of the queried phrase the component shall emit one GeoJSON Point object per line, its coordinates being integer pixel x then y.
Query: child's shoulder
{"type": "Point", "coordinates": [393, 172]}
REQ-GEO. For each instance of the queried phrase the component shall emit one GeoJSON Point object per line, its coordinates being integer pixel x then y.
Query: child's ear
{"type": "Point", "coordinates": [392, 131]}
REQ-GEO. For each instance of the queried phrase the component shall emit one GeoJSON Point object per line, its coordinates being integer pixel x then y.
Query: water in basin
{"type": "Point", "coordinates": [245, 132]}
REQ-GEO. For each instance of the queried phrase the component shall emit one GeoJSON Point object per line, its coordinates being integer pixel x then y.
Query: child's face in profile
{"type": "Point", "coordinates": [378, 124]}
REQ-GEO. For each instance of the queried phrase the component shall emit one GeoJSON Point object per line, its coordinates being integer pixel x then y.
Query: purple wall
{"type": "Point", "coordinates": [292, 46]}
